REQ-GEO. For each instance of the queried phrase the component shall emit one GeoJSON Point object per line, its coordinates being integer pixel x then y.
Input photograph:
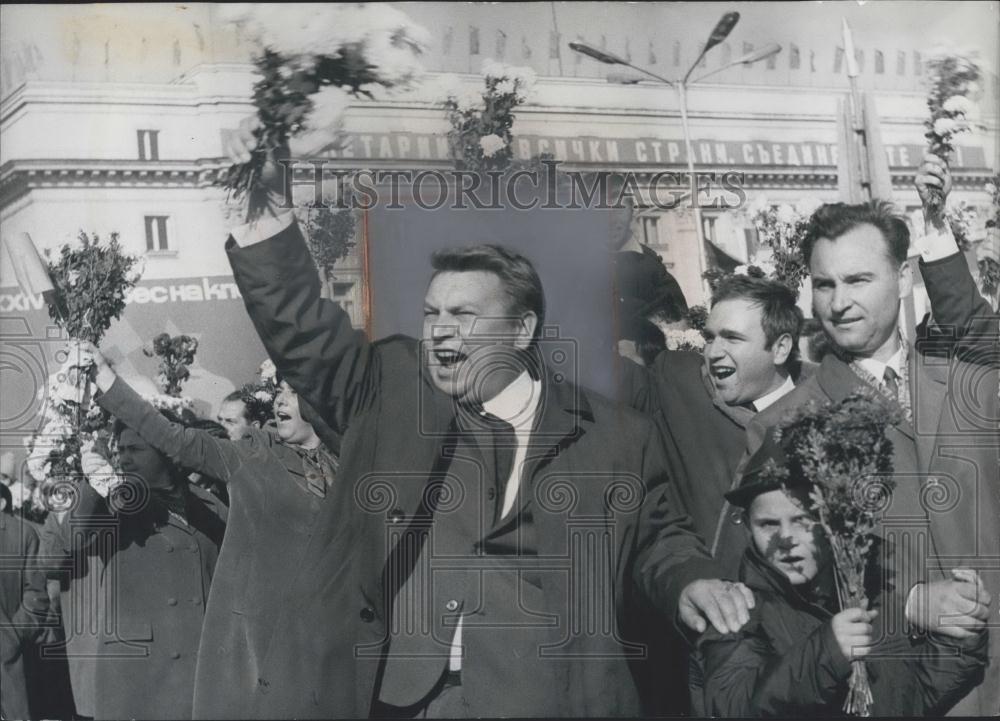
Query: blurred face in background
{"type": "Point", "coordinates": [233, 417]}
{"type": "Point", "coordinates": [140, 460]}
{"type": "Point", "coordinates": [289, 422]}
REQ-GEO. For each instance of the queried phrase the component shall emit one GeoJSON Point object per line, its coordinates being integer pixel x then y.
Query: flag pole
{"type": "Point", "coordinates": [857, 113]}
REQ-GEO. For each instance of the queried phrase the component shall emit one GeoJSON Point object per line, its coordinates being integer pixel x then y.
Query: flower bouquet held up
{"type": "Point", "coordinates": [481, 120]}
{"type": "Point", "coordinates": [842, 450]}
{"type": "Point", "coordinates": [176, 355]}
{"type": "Point", "coordinates": [951, 77]}
{"type": "Point", "coordinates": [85, 288]}
{"type": "Point", "coordinates": [259, 397]}
{"type": "Point", "coordinates": [309, 62]}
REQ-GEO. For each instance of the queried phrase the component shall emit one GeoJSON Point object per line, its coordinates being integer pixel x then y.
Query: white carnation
{"type": "Point", "coordinates": [786, 214]}
{"type": "Point", "coordinates": [491, 144]}
{"type": "Point", "coordinates": [958, 104]}
{"type": "Point", "coordinates": [263, 396]}
{"type": "Point", "coordinates": [267, 370]}
{"type": "Point", "coordinates": [20, 494]}
{"type": "Point", "coordinates": [944, 126]}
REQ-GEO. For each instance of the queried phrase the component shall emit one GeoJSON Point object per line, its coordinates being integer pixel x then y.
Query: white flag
{"type": "Point", "coordinates": [31, 271]}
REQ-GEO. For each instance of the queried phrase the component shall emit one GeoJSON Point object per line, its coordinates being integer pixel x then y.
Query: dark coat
{"type": "Point", "coordinates": [786, 660]}
{"type": "Point", "coordinates": [24, 606]}
{"type": "Point", "coordinates": [79, 603]}
{"type": "Point", "coordinates": [272, 515]}
{"type": "Point", "coordinates": [946, 463]}
{"type": "Point", "coordinates": [154, 583]}
{"type": "Point", "coordinates": [397, 427]}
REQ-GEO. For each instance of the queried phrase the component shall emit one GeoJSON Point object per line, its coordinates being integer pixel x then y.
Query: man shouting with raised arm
{"type": "Point", "coordinates": [507, 519]}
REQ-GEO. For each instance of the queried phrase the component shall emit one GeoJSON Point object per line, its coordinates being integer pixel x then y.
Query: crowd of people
{"type": "Point", "coordinates": [445, 528]}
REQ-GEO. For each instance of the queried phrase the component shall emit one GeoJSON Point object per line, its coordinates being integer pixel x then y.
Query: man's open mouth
{"type": "Point", "coordinates": [721, 372]}
{"type": "Point", "coordinates": [448, 358]}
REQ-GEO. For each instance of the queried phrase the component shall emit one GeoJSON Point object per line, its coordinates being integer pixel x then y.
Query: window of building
{"type": "Point", "coordinates": [650, 230]}
{"type": "Point", "coordinates": [838, 61]}
{"type": "Point", "coordinates": [879, 63]}
{"type": "Point", "coordinates": [900, 63]}
{"type": "Point", "coordinates": [473, 40]}
{"type": "Point", "coordinates": [501, 44]}
{"type": "Point", "coordinates": [156, 233]}
{"type": "Point", "coordinates": [918, 66]}
{"type": "Point", "coordinates": [343, 294]}
{"type": "Point", "coordinates": [148, 144]}
{"type": "Point", "coordinates": [793, 57]}
{"type": "Point", "coordinates": [447, 40]}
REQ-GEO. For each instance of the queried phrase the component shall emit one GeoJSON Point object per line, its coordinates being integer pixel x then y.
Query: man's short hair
{"type": "Point", "coordinates": [833, 220]}
{"type": "Point", "coordinates": [233, 397]}
{"type": "Point", "coordinates": [517, 275]}
{"type": "Point", "coordinates": [5, 495]}
{"type": "Point", "coordinates": [778, 313]}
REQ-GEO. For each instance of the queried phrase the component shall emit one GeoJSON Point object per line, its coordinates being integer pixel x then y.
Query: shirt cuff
{"type": "Point", "coordinates": [262, 229]}
{"type": "Point", "coordinates": [936, 245]}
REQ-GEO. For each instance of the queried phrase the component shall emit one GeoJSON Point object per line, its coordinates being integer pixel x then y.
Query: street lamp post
{"type": "Point", "coordinates": [721, 31]}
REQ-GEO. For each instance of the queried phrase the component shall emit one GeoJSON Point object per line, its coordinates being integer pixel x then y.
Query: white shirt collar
{"type": "Point", "coordinates": [517, 403]}
{"type": "Point", "coordinates": [877, 367]}
{"type": "Point", "coordinates": [769, 399]}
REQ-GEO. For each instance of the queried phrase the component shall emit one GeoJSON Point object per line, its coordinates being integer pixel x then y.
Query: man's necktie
{"type": "Point", "coordinates": [891, 380]}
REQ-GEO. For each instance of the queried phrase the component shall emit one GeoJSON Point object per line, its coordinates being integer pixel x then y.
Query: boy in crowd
{"type": "Point", "coordinates": [794, 656]}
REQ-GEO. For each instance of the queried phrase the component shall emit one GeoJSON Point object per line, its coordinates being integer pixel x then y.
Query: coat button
{"type": "Point", "coordinates": [396, 515]}
{"type": "Point", "coordinates": [196, 601]}
{"type": "Point", "coordinates": [169, 549]}
{"type": "Point", "coordinates": [452, 605]}
{"type": "Point", "coordinates": [193, 548]}
{"type": "Point", "coordinates": [171, 601]}
{"type": "Point", "coordinates": [175, 655]}
{"type": "Point", "coordinates": [367, 614]}
{"type": "Point", "coordinates": [491, 494]}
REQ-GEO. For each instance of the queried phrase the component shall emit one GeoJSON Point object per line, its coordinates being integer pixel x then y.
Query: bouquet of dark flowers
{"type": "Point", "coordinates": [311, 61]}
{"type": "Point", "coordinates": [176, 356]}
{"type": "Point", "coordinates": [90, 279]}
{"type": "Point", "coordinates": [259, 396]}
{"type": "Point", "coordinates": [842, 450]}
{"type": "Point", "coordinates": [481, 120]}
{"type": "Point", "coordinates": [952, 77]}
{"type": "Point", "coordinates": [329, 235]}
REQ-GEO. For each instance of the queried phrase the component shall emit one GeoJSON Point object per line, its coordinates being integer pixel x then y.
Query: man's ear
{"type": "Point", "coordinates": [255, 424]}
{"type": "Point", "coordinates": [781, 349]}
{"type": "Point", "coordinates": [529, 322]}
{"type": "Point", "coordinates": [905, 279]}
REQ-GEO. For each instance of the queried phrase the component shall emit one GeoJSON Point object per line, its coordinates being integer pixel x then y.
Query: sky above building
{"type": "Point", "coordinates": [159, 42]}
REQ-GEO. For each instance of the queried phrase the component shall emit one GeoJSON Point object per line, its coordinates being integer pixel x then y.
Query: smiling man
{"type": "Point", "coordinates": [703, 402]}
{"type": "Point", "coordinates": [946, 499]}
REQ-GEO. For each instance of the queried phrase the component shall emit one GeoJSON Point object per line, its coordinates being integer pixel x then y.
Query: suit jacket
{"type": "Point", "coordinates": [595, 469]}
{"type": "Point", "coordinates": [274, 505]}
{"type": "Point", "coordinates": [23, 608]}
{"type": "Point", "coordinates": [947, 462]}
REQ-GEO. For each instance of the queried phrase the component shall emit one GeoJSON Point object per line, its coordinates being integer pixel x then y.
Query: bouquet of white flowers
{"type": "Point", "coordinates": [311, 60]}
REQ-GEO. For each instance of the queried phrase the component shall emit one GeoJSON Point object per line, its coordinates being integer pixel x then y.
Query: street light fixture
{"type": "Point", "coordinates": [719, 33]}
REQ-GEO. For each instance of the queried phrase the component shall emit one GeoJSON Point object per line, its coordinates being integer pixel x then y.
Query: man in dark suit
{"type": "Point", "coordinates": [704, 401]}
{"type": "Point", "coordinates": [24, 605]}
{"type": "Point", "coordinates": [945, 509]}
{"type": "Point", "coordinates": [507, 518]}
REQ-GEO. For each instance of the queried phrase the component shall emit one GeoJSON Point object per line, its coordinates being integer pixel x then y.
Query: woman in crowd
{"type": "Point", "coordinates": [157, 537]}
{"type": "Point", "coordinates": [279, 485]}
